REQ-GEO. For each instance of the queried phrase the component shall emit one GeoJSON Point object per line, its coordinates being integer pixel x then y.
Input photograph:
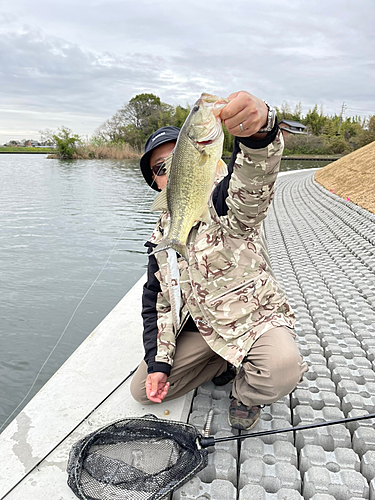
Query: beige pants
{"type": "Point", "coordinates": [272, 368]}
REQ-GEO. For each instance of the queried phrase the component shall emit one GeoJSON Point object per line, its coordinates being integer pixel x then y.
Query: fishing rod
{"type": "Point", "coordinates": [142, 463]}
{"type": "Point", "coordinates": [211, 440]}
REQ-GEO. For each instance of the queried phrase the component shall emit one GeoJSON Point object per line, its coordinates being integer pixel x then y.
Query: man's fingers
{"type": "Point", "coordinates": [231, 109]}
{"type": "Point", "coordinates": [165, 390]}
{"type": "Point", "coordinates": [155, 399]}
{"type": "Point", "coordinates": [245, 114]}
{"type": "Point", "coordinates": [158, 395]}
{"type": "Point", "coordinates": [232, 96]}
{"type": "Point", "coordinates": [241, 117]}
{"type": "Point", "coordinates": [154, 386]}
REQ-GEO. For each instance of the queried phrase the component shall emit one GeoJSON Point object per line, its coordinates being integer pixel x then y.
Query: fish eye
{"type": "Point", "coordinates": [196, 107]}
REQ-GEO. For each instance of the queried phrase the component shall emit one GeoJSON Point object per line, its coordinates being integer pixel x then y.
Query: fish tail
{"type": "Point", "coordinates": [171, 243]}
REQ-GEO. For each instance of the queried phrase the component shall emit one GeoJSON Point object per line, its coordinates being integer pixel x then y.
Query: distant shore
{"type": "Point", "coordinates": [299, 157]}
{"type": "Point", "coordinates": [25, 150]}
{"type": "Point", "coordinates": [125, 152]}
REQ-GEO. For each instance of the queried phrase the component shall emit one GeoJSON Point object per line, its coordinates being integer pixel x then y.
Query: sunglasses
{"type": "Point", "coordinates": [159, 168]}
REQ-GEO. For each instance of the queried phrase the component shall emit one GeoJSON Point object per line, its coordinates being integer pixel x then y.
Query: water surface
{"type": "Point", "coordinates": [61, 223]}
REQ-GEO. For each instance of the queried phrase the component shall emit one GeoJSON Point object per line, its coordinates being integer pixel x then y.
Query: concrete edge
{"type": "Point", "coordinates": [87, 392]}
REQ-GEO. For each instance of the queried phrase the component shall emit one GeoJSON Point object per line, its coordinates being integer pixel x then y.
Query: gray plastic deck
{"type": "Point", "coordinates": [322, 251]}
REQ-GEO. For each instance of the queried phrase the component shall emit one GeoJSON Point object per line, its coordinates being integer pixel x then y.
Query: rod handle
{"type": "Point", "coordinates": [205, 442]}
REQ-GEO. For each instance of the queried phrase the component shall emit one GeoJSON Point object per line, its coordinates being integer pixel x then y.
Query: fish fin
{"type": "Point", "coordinates": [203, 159]}
{"type": "Point", "coordinates": [160, 202]}
{"type": "Point", "coordinates": [221, 168]}
{"type": "Point", "coordinates": [168, 163]}
{"type": "Point", "coordinates": [175, 244]}
{"type": "Point", "coordinates": [206, 217]}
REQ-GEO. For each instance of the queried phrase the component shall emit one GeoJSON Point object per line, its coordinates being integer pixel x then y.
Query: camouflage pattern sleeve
{"type": "Point", "coordinates": [251, 188]}
{"type": "Point", "coordinates": [166, 341]}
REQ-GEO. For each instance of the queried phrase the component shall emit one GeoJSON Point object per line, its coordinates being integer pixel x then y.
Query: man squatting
{"type": "Point", "coordinates": [253, 344]}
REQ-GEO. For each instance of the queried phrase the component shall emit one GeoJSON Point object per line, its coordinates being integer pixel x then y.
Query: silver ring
{"type": "Point", "coordinates": [241, 127]}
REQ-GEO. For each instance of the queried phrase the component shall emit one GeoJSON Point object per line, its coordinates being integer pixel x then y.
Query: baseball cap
{"type": "Point", "coordinates": [162, 135]}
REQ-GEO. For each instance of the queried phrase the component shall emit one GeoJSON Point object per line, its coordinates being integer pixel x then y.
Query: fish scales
{"type": "Point", "coordinates": [189, 188]}
{"type": "Point", "coordinates": [192, 168]}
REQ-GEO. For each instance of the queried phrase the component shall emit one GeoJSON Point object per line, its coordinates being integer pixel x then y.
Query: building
{"type": "Point", "coordinates": [289, 128]}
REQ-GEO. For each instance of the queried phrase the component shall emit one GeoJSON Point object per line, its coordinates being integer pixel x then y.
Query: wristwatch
{"type": "Point", "coordinates": [271, 119]}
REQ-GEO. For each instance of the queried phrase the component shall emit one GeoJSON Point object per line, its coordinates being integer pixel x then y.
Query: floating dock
{"type": "Point", "coordinates": [322, 250]}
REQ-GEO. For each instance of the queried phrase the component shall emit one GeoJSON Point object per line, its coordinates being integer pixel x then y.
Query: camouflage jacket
{"type": "Point", "coordinates": [228, 286]}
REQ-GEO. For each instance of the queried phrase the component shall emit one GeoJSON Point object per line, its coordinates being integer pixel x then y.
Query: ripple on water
{"type": "Point", "coordinates": [60, 223]}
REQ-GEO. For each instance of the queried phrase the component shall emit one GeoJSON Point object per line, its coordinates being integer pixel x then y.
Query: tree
{"type": "Point", "coordinates": [180, 115]}
{"type": "Point", "coordinates": [316, 120]}
{"type": "Point", "coordinates": [228, 142]}
{"type": "Point", "coordinates": [337, 145]}
{"type": "Point", "coordinates": [368, 133]}
{"type": "Point", "coordinates": [112, 130]}
{"type": "Point", "coordinates": [297, 114]}
{"type": "Point", "coordinates": [66, 142]}
{"type": "Point", "coordinates": [137, 119]}
{"type": "Point", "coordinates": [147, 113]}
{"type": "Point", "coordinates": [139, 109]}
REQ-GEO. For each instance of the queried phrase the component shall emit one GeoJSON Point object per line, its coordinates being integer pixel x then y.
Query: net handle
{"type": "Point", "coordinates": [211, 440]}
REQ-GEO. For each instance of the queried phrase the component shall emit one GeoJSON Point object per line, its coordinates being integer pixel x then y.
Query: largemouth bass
{"type": "Point", "coordinates": [192, 168]}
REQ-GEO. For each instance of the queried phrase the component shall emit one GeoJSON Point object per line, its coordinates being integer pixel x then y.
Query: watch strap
{"type": "Point", "coordinates": [270, 120]}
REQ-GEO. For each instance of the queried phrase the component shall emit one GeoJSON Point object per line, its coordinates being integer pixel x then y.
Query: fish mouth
{"type": "Point", "coordinates": [213, 101]}
{"type": "Point", "coordinates": [205, 143]}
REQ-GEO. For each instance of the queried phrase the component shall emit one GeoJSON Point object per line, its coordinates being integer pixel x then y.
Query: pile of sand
{"type": "Point", "coordinates": [352, 177]}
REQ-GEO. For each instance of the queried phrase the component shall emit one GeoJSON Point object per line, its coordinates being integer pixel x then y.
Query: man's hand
{"type": "Point", "coordinates": [246, 109]}
{"type": "Point", "coordinates": [156, 386]}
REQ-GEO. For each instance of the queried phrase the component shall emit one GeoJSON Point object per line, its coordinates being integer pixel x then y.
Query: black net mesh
{"type": "Point", "coordinates": [137, 459]}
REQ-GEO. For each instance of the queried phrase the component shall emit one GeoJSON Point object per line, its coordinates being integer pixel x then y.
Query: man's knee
{"type": "Point", "coordinates": [286, 372]}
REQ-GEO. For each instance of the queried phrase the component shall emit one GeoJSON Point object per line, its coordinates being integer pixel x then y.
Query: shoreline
{"type": "Point", "coordinates": [26, 152]}
{"type": "Point", "coordinates": [294, 157]}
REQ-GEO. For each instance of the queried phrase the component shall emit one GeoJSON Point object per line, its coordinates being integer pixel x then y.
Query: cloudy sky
{"type": "Point", "coordinates": [73, 63]}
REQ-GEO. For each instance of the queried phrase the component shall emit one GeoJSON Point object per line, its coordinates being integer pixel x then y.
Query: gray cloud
{"type": "Point", "coordinates": [76, 64]}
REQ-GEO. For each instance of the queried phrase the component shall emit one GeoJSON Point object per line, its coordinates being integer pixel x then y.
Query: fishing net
{"type": "Point", "coordinates": [141, 458]}
{"type": "Point", "coordinates": [145, 458]}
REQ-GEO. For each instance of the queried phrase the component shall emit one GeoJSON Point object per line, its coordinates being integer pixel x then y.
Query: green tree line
{"type": "Point", "coordinates": [140, 117]}
{"type": "Point", "coordinates": [326, 134]}
{"type": "Point", "coordinates": [145, 113]}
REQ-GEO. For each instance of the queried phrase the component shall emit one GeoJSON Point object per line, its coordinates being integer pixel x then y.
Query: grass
{"type": "Point", "coordinates": [113, 151]}
{"type": "Point", "coordinates": [24, 149]}
{"type": "Point", "coordinates": [352, 177]}
{"type": "Point", "coordinates": [102, 152]}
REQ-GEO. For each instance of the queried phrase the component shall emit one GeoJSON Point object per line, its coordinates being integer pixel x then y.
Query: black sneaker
{"type": "Point", "coordinates": [225, 377]}
{"type": "Point", "coordinates": [243, 417]}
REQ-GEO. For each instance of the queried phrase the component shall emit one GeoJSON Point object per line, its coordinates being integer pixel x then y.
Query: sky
{"type": "Point", "coordinates": [74, 64]}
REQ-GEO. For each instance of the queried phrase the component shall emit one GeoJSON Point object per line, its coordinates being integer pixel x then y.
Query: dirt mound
{"type": "Point", "coordinates": [352, 177]}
